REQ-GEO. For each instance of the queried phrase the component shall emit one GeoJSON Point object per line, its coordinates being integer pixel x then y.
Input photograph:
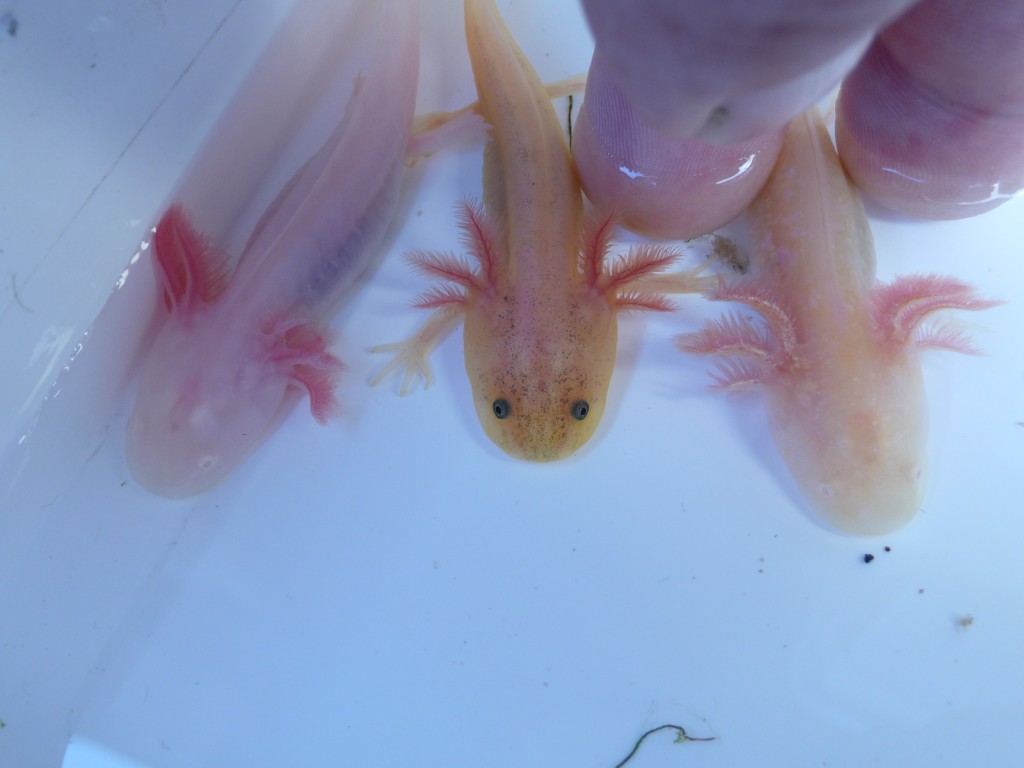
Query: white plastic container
{"type": "Point", "coordinates": [391, 590]}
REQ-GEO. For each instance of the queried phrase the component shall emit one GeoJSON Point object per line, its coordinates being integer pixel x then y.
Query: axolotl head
{"type": "Point", "coordinates": [540, 376]}
{"type": "Point", "coordinates": [201, 408]}
{"type": "Point", "coordinates": [856, 443]}
{"type": "Point", "coordinates": [207, 399]}
{"type": "Point", "coordinates": [221, 373]}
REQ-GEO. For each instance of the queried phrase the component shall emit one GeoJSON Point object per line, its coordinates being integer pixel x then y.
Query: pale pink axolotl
{"type": "Point", "coordinates": [235, 351]}
{"type": "Point", "coordinates": [540, 310]}
{"type": "Point", "coordinates": [839, 359]}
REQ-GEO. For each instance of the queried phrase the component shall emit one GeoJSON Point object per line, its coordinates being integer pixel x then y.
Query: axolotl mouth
{"type": "Point", "coordinates": [539, 429]}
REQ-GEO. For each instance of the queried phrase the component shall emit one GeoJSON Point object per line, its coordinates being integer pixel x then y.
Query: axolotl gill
{"type": "Point", "coordinates": [838, 356]}
{"type": "Point", "coordinates": [539, 310]}
{"type": "Point", "coordinates": [236, 351]}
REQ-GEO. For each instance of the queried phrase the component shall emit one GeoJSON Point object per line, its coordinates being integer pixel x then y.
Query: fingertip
{"type": "Point", "coordinates": [663, 187]}
{"type": "Point", "coordinates": [920, 153]}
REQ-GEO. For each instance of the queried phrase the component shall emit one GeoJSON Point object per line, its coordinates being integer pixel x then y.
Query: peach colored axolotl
{"type": "Point", "coordinates": [236, 351]}
{"type": "Point", "coordinates": [838, 360]}
{"type": "Point", "coordinates": [540, 309]}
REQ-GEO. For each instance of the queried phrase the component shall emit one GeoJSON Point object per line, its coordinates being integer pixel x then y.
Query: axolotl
{"type": "Point", "coordinates": [540, 309]}
{"type": "Point", "coordinates": [236, 351]}
{"type": "Point", "coordinates": [838, 358]}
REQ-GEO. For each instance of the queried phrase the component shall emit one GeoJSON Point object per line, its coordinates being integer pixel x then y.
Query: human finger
{"type": "Point", "coordinates": [662, 187]}
{"type": "Point", "coordinates": [731, 70]}
{"type": "Point", "coordinates": [931, 122]}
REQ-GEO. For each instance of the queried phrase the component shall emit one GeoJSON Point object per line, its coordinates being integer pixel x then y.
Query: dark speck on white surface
{"type": "Point", "coordinates": [9, 24]}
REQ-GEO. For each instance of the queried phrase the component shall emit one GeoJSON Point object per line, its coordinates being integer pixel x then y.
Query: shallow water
{"type": "Point", "coordinates": [393, 590]}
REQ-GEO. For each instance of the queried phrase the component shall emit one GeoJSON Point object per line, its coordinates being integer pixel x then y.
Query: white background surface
{"type": "Point", "coordinates": [392, 590]}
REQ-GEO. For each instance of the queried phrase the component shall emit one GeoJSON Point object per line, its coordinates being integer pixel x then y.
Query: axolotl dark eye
{"type": "Point", "coordinates": [580, 409]}
{"type": "Point", "coordinates": [501, 408]}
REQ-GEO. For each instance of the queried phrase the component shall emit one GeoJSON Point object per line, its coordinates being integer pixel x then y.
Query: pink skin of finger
{"type": "Point", "coordinates": [662, 187]}
{"type": "Point", "coordinates": [686, 102]}
{"type": "Point", "coordinates": [931, 122]}
{"type": "Point", "coordinates": [731, 70]}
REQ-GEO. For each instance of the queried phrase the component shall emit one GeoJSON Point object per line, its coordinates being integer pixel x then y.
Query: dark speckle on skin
{"type": "Point", "coordinates": [725, 251]}
{"type": "Point", "coordinates": [718, 117]}
{"type": "Point", "coordinates": [9, 24]}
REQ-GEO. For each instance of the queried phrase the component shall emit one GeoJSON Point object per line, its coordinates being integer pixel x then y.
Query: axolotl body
{"type": "Point", "coordinates": [236, 351]}
{"type": "Point", "coordinates": [839, 358]}
{"type": "Point", "coordinates": [540, 310]}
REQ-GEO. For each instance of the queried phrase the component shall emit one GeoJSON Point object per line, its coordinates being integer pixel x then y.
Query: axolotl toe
{"type": "Point", "coordinates": [540, 307]}
{"type": "Point", "coordinates": [838, 356]}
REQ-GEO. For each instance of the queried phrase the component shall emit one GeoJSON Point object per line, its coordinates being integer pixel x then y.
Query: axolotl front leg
{"type": "Point", "coordinates": [630, 283]}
